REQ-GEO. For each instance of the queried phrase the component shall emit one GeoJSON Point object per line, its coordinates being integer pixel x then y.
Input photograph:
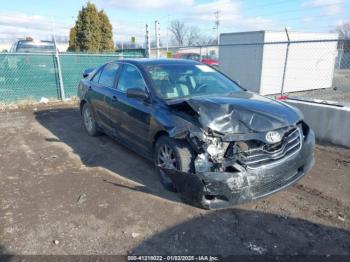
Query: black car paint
{"type": "Point", "coordinates": [147, 119]}
{"type": "Point", "coordinates": [138, 123]}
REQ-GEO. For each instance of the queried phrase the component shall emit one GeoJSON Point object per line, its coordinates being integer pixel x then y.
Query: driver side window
{"type": "Point", "coordinates": [130, 77]}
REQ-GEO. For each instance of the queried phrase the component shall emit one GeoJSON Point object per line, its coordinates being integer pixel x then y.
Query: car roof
{"type": "Point", "coordinates": [161, 61]}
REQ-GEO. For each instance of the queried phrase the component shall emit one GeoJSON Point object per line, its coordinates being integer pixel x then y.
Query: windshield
{"type": "Point", "coordinates": [177, 81]}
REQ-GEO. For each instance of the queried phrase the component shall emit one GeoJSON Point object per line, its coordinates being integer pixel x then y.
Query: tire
{"type": "Point", "coordinates": [89, 121]}
{"type": "Point", "coordinates": [183, 158]}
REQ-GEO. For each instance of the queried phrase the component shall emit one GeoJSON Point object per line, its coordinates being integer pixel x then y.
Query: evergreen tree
{"type": "Point", "coordinates": [92, 31]}
{"type": "Point", "coordinates": [72, 39]}
{"type": "Point", "coordinates": [106, 44]}
{"type": "Point", "coordinates": [88, 35]}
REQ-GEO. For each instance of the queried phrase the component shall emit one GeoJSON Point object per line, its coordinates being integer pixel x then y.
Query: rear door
{"type": "Point", "coordinates": [131, 116]}
{"type": "Point", "coordinates": [100, 89]}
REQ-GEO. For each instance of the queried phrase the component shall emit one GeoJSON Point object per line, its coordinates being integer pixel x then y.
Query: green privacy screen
{"type": "Point", "coordinates": [73, 65]}
{"type": "Point", "coordinates": [27, 76]}
{"type": "Point", "coordinates": [32, 76]}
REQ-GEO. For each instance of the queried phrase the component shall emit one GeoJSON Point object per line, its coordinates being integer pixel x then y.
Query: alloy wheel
{"type": "Point", "coordinates": [166, 157]}
{"type": "Point", "coordinates": [88, 119]}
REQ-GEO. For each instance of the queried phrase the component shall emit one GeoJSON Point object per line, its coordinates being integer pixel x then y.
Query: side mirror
{"type": "Point", "coordinates": [87, 72]}
{"type": "Point", "coordinates": [138, 93]}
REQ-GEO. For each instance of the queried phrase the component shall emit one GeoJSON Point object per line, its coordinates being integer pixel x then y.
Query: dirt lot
{"type": "Point", "coordinates": [340, 92]}
{"type": "Point", "coordinates": [63, 192]}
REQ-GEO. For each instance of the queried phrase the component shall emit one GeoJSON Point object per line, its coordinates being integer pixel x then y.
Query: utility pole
{"type": "Point", "coordinates": [156, 27]}
{"type": "Point", "coordinates": [148, 41]}
{"type": "Point", "coordinates": [167, 35]}
{"type": "Point", "coordinates": [217, 24]}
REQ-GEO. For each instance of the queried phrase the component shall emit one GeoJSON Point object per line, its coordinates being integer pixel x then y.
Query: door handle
{"type": "Point", "coordinates": [89, 88]}
{"type": "Point", "coordinates": [114, 98]}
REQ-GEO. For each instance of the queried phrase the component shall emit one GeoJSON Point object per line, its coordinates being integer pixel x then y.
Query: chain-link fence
{"type": "Point", "coordinates": [31, 76]}
{"type": "Point", "coordinates": [307, 69]}
{"type": "Point", "coordinates": [312, 69]}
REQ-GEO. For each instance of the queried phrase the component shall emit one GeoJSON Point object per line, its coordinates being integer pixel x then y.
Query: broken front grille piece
{"type": "Point", "coordinates": [254, 155]}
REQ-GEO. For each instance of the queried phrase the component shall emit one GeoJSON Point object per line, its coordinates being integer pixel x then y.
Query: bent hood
{"type": "Point", "coordinates": [241, 112]}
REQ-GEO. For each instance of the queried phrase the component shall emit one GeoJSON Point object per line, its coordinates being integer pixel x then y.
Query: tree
{"type": "Point", "coordinates": [193, 36]}
{"type": "Point", "coordinates": [72, 39]}
{"type": "Point", "coordinates": [344, 33]}
{"type": "Point", "coordinates": [344, 30]}
{"type": "Point", "coordinates": [179, 31]}
{"type": "Point", "coordinates": [88, 35]}
{"type": "Point", "coordinates": [190, 36]}
{"type": "Point", "coordinates": [92, 31]}
{"type": "Point", "coordinates": [106, 33]}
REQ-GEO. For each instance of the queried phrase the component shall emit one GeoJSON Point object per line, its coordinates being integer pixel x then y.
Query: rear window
{"type": "Point", "coordinates": [31, 46]}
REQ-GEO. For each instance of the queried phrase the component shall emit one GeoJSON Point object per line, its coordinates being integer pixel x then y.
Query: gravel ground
{"type": "Point", "coordinates": [63, 192]}
{"type": "Point", "coordinates": [340, 91]}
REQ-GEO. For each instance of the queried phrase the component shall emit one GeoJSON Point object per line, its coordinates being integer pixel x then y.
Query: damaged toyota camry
{"type": "Point", "coordinates": [211, 140]}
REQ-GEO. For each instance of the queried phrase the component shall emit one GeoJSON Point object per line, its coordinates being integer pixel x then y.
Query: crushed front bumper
{"type": "Point", "coordinates": [222, 189]}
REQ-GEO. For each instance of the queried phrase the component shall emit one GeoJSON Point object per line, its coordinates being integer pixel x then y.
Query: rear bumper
{"type": "Point", "coordinates": [222, 189]}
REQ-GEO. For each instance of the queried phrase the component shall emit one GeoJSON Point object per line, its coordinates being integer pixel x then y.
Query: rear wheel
{"type": "Point", "coordinates": [89, 121]}
{"type": "Point", "coordinates": [172, 154]}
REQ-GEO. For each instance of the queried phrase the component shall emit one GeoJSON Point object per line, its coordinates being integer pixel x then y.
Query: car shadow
{"type": "Point", "coordinates": [66, 126]}
{"type": "Point", "coordinates": [244, 232]}
{"type": "Point", "coordinates": [222, 232]}
{"type": "Point", "coordinates": [5, 255]}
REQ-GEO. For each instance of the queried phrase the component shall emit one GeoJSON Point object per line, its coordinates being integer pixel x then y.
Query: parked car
{"type": "Point", "coordinates": [32, 46]}
{"type": "Point", "coordinates": [211, 140]}
{"type": "Point", "coordinates": [26, 62]}
{"type": "Point", "coordinates": [206, 59]}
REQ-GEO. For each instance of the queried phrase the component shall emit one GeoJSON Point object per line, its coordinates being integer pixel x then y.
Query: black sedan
{"type": "Point", "coordinates": [211, 140]}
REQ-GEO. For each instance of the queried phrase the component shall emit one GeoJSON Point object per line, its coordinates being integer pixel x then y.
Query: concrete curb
{"type": "Point", "coordinates": [330, 123]}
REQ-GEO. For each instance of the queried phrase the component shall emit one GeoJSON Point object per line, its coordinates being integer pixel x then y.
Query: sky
{"type": "Point", "coordinates": [40, 19]}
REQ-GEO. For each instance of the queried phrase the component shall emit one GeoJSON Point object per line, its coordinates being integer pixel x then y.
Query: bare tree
{"type": "Point", "coordinates": [179, 31]}
{"type": "Point", "coordinates": [188, 35]}
{"type": "Point", "coordinates": [344, 30]}
{"type": "Point", "coordinates": [194, 36]}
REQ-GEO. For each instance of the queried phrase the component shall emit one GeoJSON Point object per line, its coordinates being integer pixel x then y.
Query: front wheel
{"type": "Point", "coordinates": [173, 154]}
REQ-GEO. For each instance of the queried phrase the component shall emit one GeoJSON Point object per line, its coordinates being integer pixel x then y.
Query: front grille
{"type": "Point", "coordinates": [266, 154]}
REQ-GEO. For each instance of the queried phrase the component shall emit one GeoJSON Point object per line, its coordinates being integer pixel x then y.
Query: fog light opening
{"type": "Point", "coordinates": [209, 197]}
{"type": "Point", "coordinates": [231, 169]}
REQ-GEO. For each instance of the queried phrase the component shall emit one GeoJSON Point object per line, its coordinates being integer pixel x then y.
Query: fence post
{"type": "Point", "coordinates": [285, 63]}
{"type": "Point", "coordinates": [59, 72]}
{"type": "Point", "coordinates": [156, 28]}
{"type": "Point", "coordinates": [340, 56]}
